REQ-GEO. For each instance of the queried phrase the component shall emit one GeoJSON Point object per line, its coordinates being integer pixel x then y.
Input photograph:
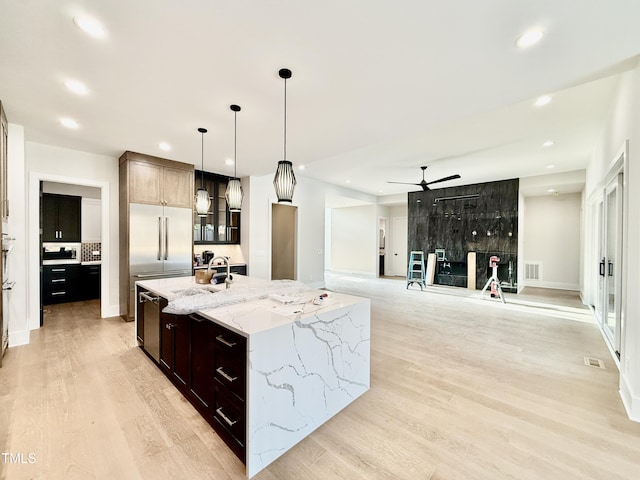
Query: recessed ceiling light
{"type": "Point", "coordinates": [551, 167]}
{"type": "Point", "coordinates": [529, 38]}
{"type": "Point", "coordinates": [543, 100]}
{"type": "Point", "coordinates": [551, 190]}
{"type": "Point", "coordinates": [229, 161]}
{"type": "Point", "coordinates": [90, 26]}
{"type": "Point", "coordinates": [76, 87]}
{"type": "Point", "coordinates": [548, 143]}
{"type": "Point", "coordinates": [164, 146]}
{"type": "Point", "coordinates": [347, 181]}
{"type": "Point", "coordinates": [301, 167]}
{"type": "Point", "coordinates": [69, 123]}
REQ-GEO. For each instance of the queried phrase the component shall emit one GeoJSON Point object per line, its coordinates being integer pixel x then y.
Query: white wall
{"type": "Point", "coordinates": [15, 303]}
{"type": "Point", "coordinates": [552, 225]}
{"type": "Point", "coordinates": [310, 198]}
{"type": "Point", "coordinates": [624, 124]}
{"type": "Point", "coordinates": [354, 239]}
{"type": "Point", "coordinates": [55, 164]}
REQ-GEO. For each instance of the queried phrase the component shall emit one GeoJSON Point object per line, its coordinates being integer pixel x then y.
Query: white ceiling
{"type": "Point", "coordinates": [378, 88]}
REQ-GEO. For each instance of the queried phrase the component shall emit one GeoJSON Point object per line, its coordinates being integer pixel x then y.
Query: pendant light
{"type": "Point", "coordinates": [284, 181]}
{"type": "Point", "coordinates": [234, 186]}
{"type": "Point", "coordinates": [202, 196]}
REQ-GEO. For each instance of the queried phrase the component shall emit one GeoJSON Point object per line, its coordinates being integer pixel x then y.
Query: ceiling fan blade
{"type": "Point", "coordinates": [405, 183]}
{"type": "Point", "coordinates": [452, 177]}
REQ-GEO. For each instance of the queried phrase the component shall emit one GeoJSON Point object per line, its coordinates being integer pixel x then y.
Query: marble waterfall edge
{"type": "Point", "coordinates": [300, 375]}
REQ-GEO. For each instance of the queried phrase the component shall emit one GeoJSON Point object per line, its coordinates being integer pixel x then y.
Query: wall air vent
{"type": "Point", "coordinates": [533, 271]}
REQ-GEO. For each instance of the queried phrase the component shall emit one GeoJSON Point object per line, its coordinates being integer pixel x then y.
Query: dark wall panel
{"type": "Point", "coordinates": [481, 218]}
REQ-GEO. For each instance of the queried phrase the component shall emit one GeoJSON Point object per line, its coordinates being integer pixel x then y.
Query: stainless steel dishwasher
{"type": "Point", "coordinates": [151, 325]}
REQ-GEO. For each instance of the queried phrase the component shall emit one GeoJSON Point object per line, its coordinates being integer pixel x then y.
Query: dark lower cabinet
{"type": "Point", "coordinates": [175, 336]}
{"type": "Point", "coordinates": [202, 366]}
{"type": "Point", "coordinates": [90, 288]}
{"type": "Point", "coordinates": [207, 363]}
{"type": "Point", "coordinates": [61, 283]}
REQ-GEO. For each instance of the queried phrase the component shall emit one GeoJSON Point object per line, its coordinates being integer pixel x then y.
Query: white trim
{"type": "Point", "coordinates": [18, 338]}
{"type": "Point", "coordinates": [33, 248]}
{"type": "Point", "coordinates": [630, 401]}
{"type": "Point", "coordinates": [553, 285]}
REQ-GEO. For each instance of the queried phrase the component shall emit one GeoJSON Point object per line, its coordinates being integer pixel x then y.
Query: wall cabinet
{"type": "Point", "coordinates": [152, 180]}
{"type": "Point", "coordinates": [61, 218]}
{"type": "Point", "coordinates": [220, 226]}
{"type": "Point", "coordinates": [149, 180]}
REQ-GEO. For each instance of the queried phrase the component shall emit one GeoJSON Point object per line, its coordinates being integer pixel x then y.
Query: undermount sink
{"type": "Point", "coordinates": [187, 292]}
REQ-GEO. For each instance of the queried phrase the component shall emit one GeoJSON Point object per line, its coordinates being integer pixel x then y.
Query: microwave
{"type": "Point", "coordinates": [60, 253]}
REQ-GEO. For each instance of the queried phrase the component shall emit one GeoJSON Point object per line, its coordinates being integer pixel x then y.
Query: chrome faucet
{"type": "Point", "coordinates": [227, 280]}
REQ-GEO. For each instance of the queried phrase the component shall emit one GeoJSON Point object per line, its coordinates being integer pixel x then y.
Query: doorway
{"type": "Point", "coordinates": [608, 217]}
{"type": "Point", "coordinates": [605, 270]}
{"type": "Point", "coordinates": [284, 219]}
{"type": "Point", "coordinates": [399, 247]}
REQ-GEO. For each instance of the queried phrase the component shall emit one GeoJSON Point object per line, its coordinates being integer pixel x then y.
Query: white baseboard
{"type": "Point", "coordinates": [110, 311]}
{"type": "Point", "coordinates": [553, 285]}
{"type": "Point", "coordinates": [630, 401]}
{"type": "Point", "coordinates": [18, 338]}
{"type": "Point", "coordinates": [316, 285]}
{"type": "Point", "coordinates": [353, 272]}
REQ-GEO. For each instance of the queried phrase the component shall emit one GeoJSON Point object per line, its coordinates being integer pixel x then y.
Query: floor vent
{"type": "Point", "coordinates": [593, 362]}
{"type": "Point", "coordinates": [533, 271]}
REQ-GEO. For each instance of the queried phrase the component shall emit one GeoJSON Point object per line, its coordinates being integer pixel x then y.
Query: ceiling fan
{"type": "Point", "coordinates": [424, 184]}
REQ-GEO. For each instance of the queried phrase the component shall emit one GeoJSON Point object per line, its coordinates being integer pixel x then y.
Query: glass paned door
{"type": "Point", "coordinates": [613, 251]}
{"type": "Point", "coordinates": [600, 252]}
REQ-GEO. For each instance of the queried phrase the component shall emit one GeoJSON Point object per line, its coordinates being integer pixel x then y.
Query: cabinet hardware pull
{"type": "Point", "coordinates": [221, 339]}
{"type": "Point", "coordinates": [58, 293]}
{"type": "Point", "coordinates": [58, 269]}
{"type": "Point", "coordinates": [168, 326]}
{"type": "Point", "coordinates": [166, 238]}
{"type": "Point", "coordinates": [58, 280]}
{"type": "Point", "coordinates": [226, 375]}
{"type": "Point", "coordinates": [144, 296]}
{"type": "Point", "coordinates": [197, 318]}
{"type": "Point", "coordinates": [159, 237]}
{"type": "Point", "coordinates": [225, 418]}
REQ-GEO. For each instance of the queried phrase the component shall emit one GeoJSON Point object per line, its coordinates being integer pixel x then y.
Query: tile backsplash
{"type": "Point", "coordinates": [87, 252]}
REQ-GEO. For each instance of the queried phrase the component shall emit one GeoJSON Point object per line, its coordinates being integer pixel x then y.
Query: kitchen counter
{"type": "Point", "coordinates": [306, 359]}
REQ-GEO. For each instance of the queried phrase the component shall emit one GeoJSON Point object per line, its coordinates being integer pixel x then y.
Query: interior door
{"type": "Point", "coordinates": [399, 259]}
{"type": "Point", "coordinates": [283, 242]}
{"type": "Point", "coordinates": [613, 250]}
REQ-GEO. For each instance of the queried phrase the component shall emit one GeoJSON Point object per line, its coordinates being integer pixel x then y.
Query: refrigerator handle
{"type": "Point", "coordinates": [159, 237]}
{"type": "Point", "coordinates": [166, 238]}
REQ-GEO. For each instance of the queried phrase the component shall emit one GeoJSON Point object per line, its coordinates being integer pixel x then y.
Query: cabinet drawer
{"type": "Point", "coordinates": [231, 343]}
{"type": "Point", "coordinates": [229, 412]}
{"type": "Point", "coordinates": [230, 371]}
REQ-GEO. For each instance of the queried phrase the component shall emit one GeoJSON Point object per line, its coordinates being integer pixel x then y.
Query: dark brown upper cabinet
{"type": "Point", "coordinates": [220, 226]}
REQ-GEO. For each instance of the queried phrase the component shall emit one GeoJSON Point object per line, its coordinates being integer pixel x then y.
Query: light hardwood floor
{"type": "Point", "coordinates": [461, 388]}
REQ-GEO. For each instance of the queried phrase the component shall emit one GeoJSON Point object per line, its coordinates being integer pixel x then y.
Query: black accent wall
{"type": "Point", "coordinates": [446, 218]}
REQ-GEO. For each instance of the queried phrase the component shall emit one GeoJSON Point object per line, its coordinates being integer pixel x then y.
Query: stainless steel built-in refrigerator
{"type": "Point", "coordinates": [160, 243]}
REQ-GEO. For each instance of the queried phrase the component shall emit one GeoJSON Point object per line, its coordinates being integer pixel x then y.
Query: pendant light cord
{"type": "Point", "coordinates": [235, 144]}
{"type": "Point", "coordinates": [285, 119]}
{"type": "Point", "coordinates": [202, 157]}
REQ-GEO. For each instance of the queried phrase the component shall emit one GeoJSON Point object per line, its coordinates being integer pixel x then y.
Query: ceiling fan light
{"type": "Point", "coordinates": [234, 195]}
{"type": "Point", "coordinates": [203, 202]}
{"type": "Point", "coordinates": [284, 181]}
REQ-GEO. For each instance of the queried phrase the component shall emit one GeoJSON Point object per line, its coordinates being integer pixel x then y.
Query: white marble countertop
{"type": "Point", "coordinates": [249, 314]}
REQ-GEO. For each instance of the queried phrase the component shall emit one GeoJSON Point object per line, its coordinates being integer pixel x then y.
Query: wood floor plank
{"type": "Point", "coordinates": [461, 388]}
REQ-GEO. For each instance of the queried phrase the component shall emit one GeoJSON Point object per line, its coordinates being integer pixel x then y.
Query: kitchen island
{"type": "Point", "coordinates": [265, 363]}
